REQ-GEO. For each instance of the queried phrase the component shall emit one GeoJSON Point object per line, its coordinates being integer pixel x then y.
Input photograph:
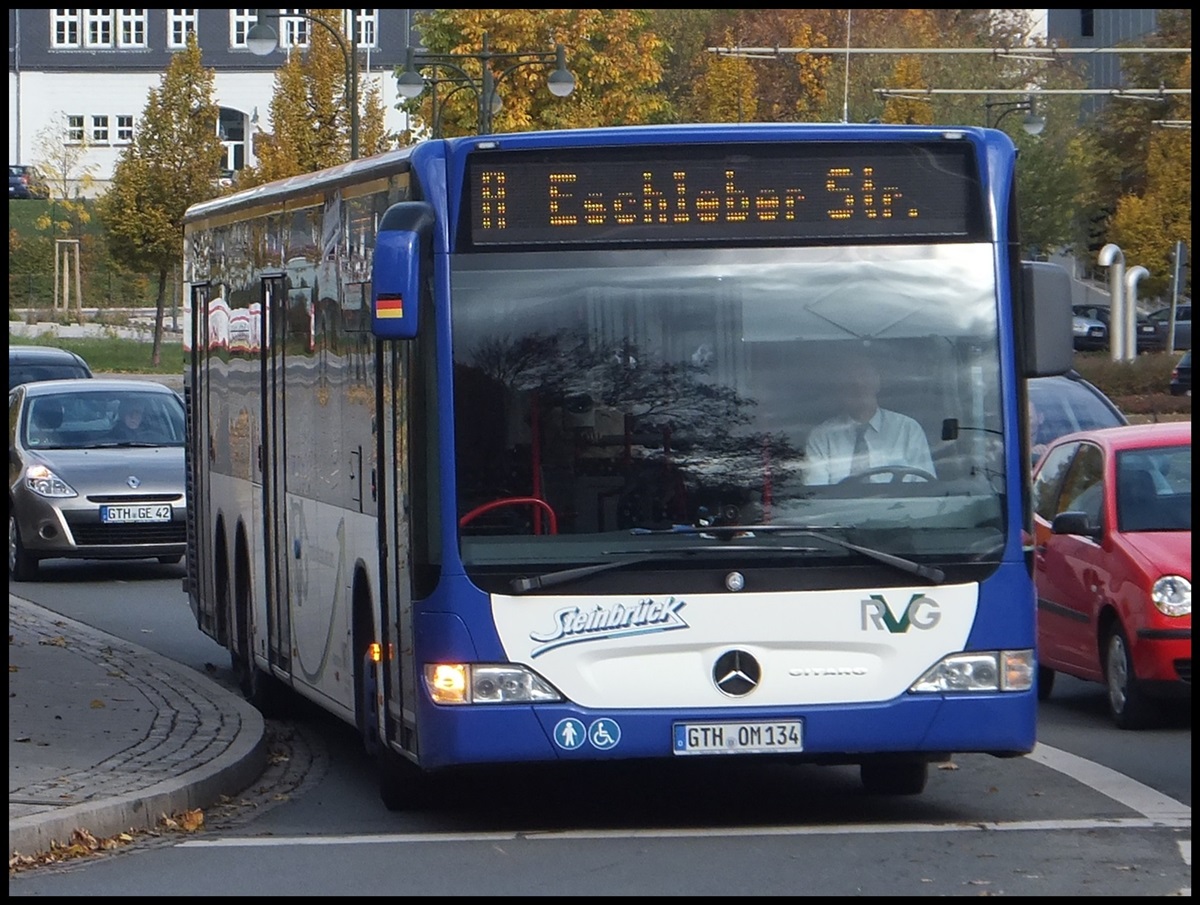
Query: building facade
{"type": "Point", "coordinates": [83, 75]}
{"type": "Point", "coordinates": [1101, 28]}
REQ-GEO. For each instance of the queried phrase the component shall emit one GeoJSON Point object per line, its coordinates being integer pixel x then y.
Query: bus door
{"type": "Point", "coordinates": [274, 468]}
{"type": "Point", "coordinates": [198, 460]}
{"type": "Point", "coordinates": [395, 559]}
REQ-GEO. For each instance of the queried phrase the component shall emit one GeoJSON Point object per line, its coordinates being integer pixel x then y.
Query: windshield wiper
{"type": "Point", "coordinates": [931, 574]}
{"type": "Point", "coordinates": [729, 532]}
{"type": "Point", "coordinates": [522, 585]}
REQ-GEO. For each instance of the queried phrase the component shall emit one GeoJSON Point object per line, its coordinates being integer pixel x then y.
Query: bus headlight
{"type": "Point", "coordinates": [486, 683]}
{"type": "Point", "coordinates": [1172, 595]}
{"type": "Point", "coordinates": [1004, 670]}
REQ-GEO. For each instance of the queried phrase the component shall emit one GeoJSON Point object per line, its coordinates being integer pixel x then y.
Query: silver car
{"type": "Point", "coordinates": [95, 471]}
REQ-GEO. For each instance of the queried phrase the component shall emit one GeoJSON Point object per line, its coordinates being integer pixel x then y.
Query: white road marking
{"type": "Point", "coordinates": [1158, 811]}
{"type": "Point", "coordinates": [1134, 795]}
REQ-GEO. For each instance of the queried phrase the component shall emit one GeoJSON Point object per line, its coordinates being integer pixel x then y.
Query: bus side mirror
{"type": "Point", "coordinates": [401, 247]}
{"type": "Point", "coordinates": [1046, 301]}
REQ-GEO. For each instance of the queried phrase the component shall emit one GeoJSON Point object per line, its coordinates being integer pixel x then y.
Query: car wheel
{"type": "Point", "coordinates": [1127, 703]}
{"type": "Point", "coordinates": [22, 565]}
{"type": "Point", "coordinates": [1045, 682]}
{"type": "Point", "coordinates": [894, 776]}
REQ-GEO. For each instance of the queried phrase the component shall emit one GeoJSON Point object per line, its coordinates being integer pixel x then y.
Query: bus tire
{"type": "Point", "coordinates": [894, 776]}
{"type": "Point", "coordinates": [1045, 682]}
{"type": "Point", "coordinates": [266, 693]}
{"type": "Point", "coordinates": [403, 786]}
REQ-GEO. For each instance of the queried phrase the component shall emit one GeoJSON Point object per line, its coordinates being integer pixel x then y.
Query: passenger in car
{"type": "Point", "coordinates": [47, 419]}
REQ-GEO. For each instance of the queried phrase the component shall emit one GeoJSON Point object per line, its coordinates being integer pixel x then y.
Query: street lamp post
{"type": "Point", "coordinates": [487, 101]}
{"type": "Point", "coordinates": [1033, 124]}
{"type": "Point", "coordinates": [262, 40]}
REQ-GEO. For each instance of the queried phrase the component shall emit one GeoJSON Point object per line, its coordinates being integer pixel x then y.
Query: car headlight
{"type": "Point", "coordinates": [989, 670]}
{"type": "Point", "coordinates": [1172, 594]}
{"type": "Point", "coordinates": [486, 683]}
{"type": "Point", "coordinates": [42, 481]}
{"type": "Point", "coordinates": [1080, 329]}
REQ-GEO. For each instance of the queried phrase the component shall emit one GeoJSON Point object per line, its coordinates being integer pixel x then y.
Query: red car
{"type": "Point", "coordinates": [1113, 564]}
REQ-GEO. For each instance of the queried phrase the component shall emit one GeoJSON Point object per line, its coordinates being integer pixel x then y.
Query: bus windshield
{"type": "Point", "coordinates": [601, 396]}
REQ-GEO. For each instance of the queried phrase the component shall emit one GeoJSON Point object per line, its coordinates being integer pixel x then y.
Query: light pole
{"type": "Point", "coordinates": [1113, 258]}
{"type": "Point", "coordinates": [1033, 124]}
{"type": "Point", "coordinates": [262, 40]}
{"type": "Point", "coordinates": [487, 101]}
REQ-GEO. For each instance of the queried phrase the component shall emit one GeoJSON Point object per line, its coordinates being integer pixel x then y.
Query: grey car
{"type": "Point", "coordinates": [29, 363]}
{"type": "Point", "coordinates": [1183, 325]}
{"type": "Point", "coordinates": [95, 471]}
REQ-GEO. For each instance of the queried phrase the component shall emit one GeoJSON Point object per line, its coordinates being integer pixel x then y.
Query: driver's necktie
{"type": "Point", "coordinates": [861, 460]}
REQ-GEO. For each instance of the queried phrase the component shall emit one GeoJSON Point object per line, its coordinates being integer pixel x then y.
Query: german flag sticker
{"type": "Point", "coordinates": [389, 305]}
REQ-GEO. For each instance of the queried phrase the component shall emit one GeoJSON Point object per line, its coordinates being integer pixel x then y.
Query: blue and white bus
{"type": "Point", "coordinates": [498, 447]}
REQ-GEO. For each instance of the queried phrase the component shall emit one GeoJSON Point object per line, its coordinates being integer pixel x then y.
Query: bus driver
{"type": "Point", "coordinates": [864, 436]}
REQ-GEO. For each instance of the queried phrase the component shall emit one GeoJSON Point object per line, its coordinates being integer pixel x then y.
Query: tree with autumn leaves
{"type": "Point", "coordinates": [172, 163]}
{"type": "Point", "coordinates": [1120, 178]}
{"type": "Point", "coordinates": [310, 110]}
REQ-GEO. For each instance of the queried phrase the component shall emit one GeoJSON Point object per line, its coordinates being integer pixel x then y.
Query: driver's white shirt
{"type": "Point", "coordinates": [892, 439]}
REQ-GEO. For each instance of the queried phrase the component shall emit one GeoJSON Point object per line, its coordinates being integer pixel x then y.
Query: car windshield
{"type": "Point", "coordinates": [97, 419]}
{"type": "Point", "coordinates": [1154, 489]}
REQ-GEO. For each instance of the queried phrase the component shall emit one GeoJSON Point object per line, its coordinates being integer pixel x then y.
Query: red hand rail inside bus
{"type": "Point", "coordinates": [514, 501]}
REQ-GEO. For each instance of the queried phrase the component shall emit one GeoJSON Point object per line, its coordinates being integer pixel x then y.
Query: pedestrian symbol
{"type": "Point", "coordinates": [604, 733]}
{"type": "Point", "coordinates": [569, 733]}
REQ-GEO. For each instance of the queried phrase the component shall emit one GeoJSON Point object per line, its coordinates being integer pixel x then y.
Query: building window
{"type": "Point", "coordinates": [293, 31]}
{"type": "Point", "coordinates": [366, 34]}
{"type": "Point", "coordinates": [75, 129]}
{"type": "Point", "coordinates": [1087, 23]}
{"type": "Point", "coordinates": [100, 129]}
{"type": "Point", "coordinates": [240, 21]}
{"type": "Point", "coordinates": [64, 27]}
{"type": "Point", "coordinates": [131, 27]}
{"type": "Point", "coordinates": [98, 27]}
{"type": "Point", "coordinates": [124, 129]}
{"type": "Point", "coordinates": [179, 23]}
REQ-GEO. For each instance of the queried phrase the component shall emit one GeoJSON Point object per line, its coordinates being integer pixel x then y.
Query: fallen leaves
{"type": "Point", "coordinates": [83, 844]}
{"type": "Point", "coordinates": [56, 641]}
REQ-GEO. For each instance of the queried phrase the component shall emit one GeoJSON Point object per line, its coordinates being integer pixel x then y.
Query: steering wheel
{"type": "Point", "coordinates": [898, 473]}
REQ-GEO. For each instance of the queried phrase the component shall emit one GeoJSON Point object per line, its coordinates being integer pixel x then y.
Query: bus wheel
{"type": "Point", "coordinates": [403, 786]}
{"type": "Point", "coordinates": [894, 776]}
{"type": "Point", "coordinates": [1045, 682]}
{"type": "Point", "coordinates": [266, 693]}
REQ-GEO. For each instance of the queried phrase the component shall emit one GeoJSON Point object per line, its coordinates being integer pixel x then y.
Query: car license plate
{"type": "Point", "coordinates": [118, 514]}
{"type": "Point", "coordinates": [769, 737]}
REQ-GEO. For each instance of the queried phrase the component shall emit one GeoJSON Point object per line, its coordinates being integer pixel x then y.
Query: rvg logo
{"type": "Point", "coordinates": [921, 614]}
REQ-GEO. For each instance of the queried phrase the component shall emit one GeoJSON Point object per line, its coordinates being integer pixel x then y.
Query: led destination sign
{"type": "Point", "coordinates": [826, 192]}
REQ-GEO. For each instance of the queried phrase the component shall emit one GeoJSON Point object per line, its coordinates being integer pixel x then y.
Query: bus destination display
{"type": "Point", "coordinates": [815, 192]}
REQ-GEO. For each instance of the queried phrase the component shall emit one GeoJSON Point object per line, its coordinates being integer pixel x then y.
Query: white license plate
{"type": "Point", "coordinates": [738, 738]}
{"type": "Point", "coordinates": [120, 514]}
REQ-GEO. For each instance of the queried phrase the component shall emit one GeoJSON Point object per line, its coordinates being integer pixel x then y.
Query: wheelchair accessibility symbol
{"type": "Point", "coordinates": [604, 733]}
{"type": "Point", "coordinates": [569, 733]}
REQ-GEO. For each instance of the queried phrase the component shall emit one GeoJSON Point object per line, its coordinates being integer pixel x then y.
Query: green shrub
{"type": "Point", "coordinates": [113, 354]}
{"type": "Point", "coordinates": [1149, 373]}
